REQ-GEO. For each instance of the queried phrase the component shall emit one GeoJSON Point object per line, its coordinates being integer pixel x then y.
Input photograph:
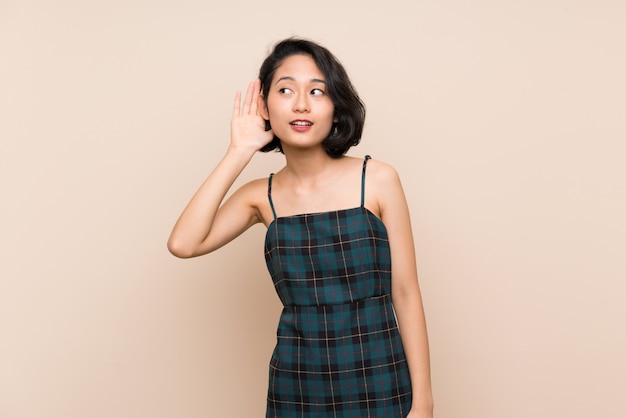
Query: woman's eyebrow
{"type": "Point", "coordinates": [290, 78]}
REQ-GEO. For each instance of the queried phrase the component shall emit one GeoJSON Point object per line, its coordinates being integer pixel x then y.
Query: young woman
{"type": "Point", "coordinates": [339, 245]}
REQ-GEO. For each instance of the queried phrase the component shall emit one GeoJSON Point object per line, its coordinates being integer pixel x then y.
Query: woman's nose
{"type": "Point", "coordinates": [301, 103]}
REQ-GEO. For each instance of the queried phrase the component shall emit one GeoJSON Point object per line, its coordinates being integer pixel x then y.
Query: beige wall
{"type": "Point", "coordinates": [506, 120]}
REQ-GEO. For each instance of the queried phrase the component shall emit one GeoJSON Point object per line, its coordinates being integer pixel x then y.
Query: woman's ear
{"type": "Point", "coordinates": [263, 108]}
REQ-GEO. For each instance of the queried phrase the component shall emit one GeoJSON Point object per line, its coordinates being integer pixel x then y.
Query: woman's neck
{"type": "Point", "coordinates": [305, 166]}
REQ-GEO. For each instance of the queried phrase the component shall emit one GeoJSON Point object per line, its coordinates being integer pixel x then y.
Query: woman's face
{"type": "Point", "coordinates": [297, 105]}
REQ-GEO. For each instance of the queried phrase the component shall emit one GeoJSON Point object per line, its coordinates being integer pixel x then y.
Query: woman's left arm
{"type": "Point", "coordinates": [405, 292]}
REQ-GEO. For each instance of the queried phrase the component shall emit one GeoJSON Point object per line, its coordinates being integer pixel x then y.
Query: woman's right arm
{"type": "Point", "coordinates": [205, 224]}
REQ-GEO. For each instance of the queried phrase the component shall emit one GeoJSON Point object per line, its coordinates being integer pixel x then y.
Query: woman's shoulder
{"type": "Point", "coordinates": [381, 172]}
{"type": "Point", "coordinates": [371, 162]}
{"type": "Point", "coordinates": [255, 188]}
{"type": "Point", "coordinates": [385, 193]}
{"type": "Point", "coordinates": [382, 185]}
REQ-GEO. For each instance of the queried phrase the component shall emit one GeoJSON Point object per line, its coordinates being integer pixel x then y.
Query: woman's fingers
{"type": "Point", "coordinates": [248, 99]}
{"type": "Point", "coordinates": [255, 96]}
{"type": "Point", "coordinates": [247, 124]}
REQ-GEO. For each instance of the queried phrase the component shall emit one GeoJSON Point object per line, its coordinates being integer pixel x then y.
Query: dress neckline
{"type": "Point", "coordinates": [314, 214]}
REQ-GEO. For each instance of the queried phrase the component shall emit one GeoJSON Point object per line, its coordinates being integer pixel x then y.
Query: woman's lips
{"type": "Point", "coordinates": [301, 125]}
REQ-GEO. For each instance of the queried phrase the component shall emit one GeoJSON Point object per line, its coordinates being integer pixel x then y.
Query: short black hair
{"type": "Point", "coordinates": [349, 108]}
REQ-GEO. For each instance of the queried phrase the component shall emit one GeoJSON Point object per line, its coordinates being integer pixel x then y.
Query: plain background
{"type": "Point", "coordinates": [505, 120]}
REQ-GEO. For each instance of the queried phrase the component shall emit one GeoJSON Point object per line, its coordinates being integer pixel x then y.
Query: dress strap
{"type": "Point", "coordinates": [367, 157]}
{"type": "Point", "coordinates": [269, 194]}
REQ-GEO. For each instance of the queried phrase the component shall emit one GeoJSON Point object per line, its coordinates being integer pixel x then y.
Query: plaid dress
{"type": "Point", "coordinates": [338, 351]}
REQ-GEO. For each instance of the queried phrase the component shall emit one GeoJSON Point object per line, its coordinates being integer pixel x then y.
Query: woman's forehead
{"type": "Point", "coordinates": [299, 68]}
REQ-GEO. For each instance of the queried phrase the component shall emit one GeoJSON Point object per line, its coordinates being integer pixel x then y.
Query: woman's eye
{"type": "Point", "coordinates": [317, 91]}
{"type": "Point", "coordinates": [284, 90]}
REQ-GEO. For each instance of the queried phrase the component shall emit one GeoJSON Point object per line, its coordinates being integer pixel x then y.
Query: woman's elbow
{"type": "Point", "coordinates": [179, 249]}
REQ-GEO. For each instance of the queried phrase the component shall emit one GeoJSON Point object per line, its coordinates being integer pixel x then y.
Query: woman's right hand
{"type": "Point", "coordinates": [247, 125]}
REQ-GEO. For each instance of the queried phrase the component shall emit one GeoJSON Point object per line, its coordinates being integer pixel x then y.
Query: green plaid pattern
{"type": "Point", "coordinates": [338, 352]}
